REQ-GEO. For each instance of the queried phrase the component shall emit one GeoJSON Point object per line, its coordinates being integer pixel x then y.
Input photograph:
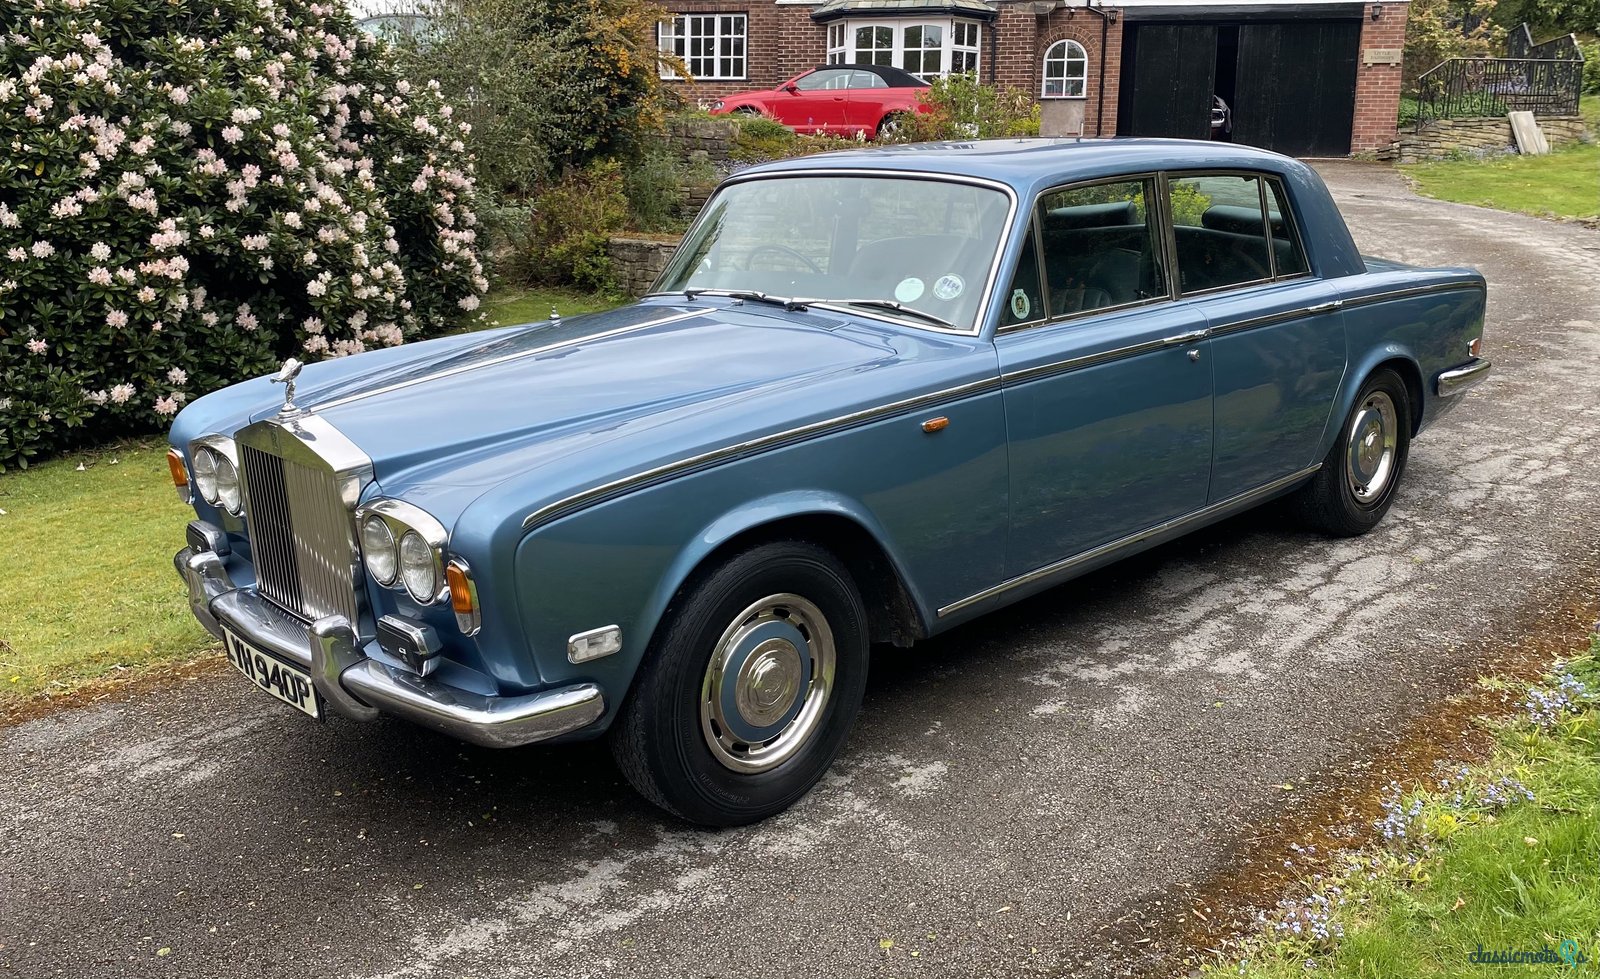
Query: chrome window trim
{"type": "Point", "coordinates": [983, 312]}
{"type": "Point", "coordinates": [1154, 176]}
{"type": "Point", "coordinates": [705, 460]}
{"type": "Point", "coordinates": [1038, 371]}
{"type": "Point", "coordinates": [496, 361]}
{"type": "Point", "coordinates": [1111, 547]}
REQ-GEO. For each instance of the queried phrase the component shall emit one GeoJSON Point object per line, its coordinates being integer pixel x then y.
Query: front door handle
{"type": "Point", "coordinates": [1190, 337]}
{"type": "Point", "coordinates": [1326, 307]}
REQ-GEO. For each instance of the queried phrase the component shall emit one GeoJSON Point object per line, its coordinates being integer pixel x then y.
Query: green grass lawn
{"type": "Point", "coordinates": [88, 588]}
{"type": "Point", "coordinates": [1564, 184]}
{"type": "Point", "coordinates": [1480, 865]}
{"type": "Point", "coordinates": [1589, 108]}
{"type": "Point", "coordinates": [511, 306]}
{"type": "Point", "coordinates": [88, 585]}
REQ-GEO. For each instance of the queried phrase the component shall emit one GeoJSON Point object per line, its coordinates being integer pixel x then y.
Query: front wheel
{"type": "Point", "coordinates": [1356, 484]}
{"type": "Point", "coordinates": [749, 689]}
{"type": "Point", "coordinates": [891, 127]}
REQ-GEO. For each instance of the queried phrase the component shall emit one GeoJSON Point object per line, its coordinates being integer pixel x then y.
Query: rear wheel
{"type": "Point", "coordinates": [1357, 482]}
{"type": "Point", "coordinates": [749, 689]}
{"type": "Point", "coordinates": [891, 127]}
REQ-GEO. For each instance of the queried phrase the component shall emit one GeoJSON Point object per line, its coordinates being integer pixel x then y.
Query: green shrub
{"type": "Point", "coordinates": [1591, 68]}
{"type": "Point", "coordinates": [654, 187]}
{"type": "Point", "coordinates": [564, 240]}
{"type": "Point", "coordinates": [194, 189]}
{"type": "Point", "coordinates": [546, 84]}
{"type": "Point", "coordinates": [758, 138]}
{"type": "Point", "coordinates": [961, 107]}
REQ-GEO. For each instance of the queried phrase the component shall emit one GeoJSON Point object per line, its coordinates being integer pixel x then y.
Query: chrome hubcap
{"type": "Point", "coordinates": [767, 683]}
{"type": "Point", "coordinates": [1370, 454]}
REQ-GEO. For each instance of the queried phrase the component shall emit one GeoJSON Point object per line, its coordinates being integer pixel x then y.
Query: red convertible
{"type": "Point", "coordinates": [841, 100]}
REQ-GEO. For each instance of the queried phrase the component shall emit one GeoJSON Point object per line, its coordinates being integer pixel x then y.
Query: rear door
{"type": "Point", "coordinates": [1277, 342]}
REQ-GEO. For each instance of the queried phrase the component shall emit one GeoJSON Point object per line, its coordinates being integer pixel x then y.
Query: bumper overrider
{"type": "Point", "coordinates": [360, 688]}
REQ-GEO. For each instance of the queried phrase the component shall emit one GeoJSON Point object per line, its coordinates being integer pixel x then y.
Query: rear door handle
{"type": "Point", "coordinates": [1326, 307]}
{"type": "Point", "coordinates": [1190, 337]}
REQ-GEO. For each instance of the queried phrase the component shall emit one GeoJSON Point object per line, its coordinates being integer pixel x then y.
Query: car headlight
{"type": "Point", "coordinates": [417, 568]}
{"type": "Point", "coordinates": [205, 474]}
{"type": "Point", "coordinates": [227, 483]}
{"type": "Point", "coordinates": [378, 548]}
{"type": "Point", "coordinates": [716, 106]}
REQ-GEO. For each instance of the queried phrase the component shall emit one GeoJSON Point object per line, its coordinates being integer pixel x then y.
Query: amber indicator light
{"type": "Point", "coordinates": [460, 589]}
{"type": "Point", "coordinates": [936, 424]}
{"type": "Point", "coordinates": [180, 475]}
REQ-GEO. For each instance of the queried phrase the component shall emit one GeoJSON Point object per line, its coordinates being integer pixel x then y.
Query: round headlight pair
{"type": "Point", "coordinates": [217, 479]}
{"type": "Point", "coordinates": [411, 560]}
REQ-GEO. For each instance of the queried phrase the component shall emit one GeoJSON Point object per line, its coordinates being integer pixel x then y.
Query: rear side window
{"type": "Point", "coordinates": [1099, 247]}
{"type": "Point", "coordinates": [1219, 231]}
{"type": "Point", "coordinates": [1285, 243]}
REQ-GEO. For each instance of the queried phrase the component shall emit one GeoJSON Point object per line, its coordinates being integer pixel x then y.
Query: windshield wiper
{"type": "Point", "coordinates": [892, 305]}
{"type": "Point", "coordinates": [788, 303]}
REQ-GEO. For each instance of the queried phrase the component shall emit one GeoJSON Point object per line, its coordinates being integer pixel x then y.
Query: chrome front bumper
{"type": "Point", "coordinates": [360, 688]}
{"type": "Point", "coordinates": [1458, 380]}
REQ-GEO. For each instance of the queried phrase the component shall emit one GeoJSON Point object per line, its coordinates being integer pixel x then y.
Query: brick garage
{"type": "Point", "coordinates": [749, 44]}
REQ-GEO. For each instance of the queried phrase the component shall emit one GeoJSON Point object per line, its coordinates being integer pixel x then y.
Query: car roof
{"type": "Point", "coordinates": [1033, 163]}
{"type": "Point", "coordinates": [896, 77]}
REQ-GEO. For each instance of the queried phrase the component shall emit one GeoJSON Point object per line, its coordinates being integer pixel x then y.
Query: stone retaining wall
{"type": "Point", "coordinates": [636, 262]}
{"type": "Point", "coordinates": [1480, 136]}
{"type": "Point", "coordinates": [686, 136]}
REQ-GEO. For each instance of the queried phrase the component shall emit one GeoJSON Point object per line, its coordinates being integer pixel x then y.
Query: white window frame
{"type": "Point", "coordinates": [1061, 57]}
{"type": "Point", "coordinates": [677, 37]}
{"type": "Point", "coordinates": [842, 48]}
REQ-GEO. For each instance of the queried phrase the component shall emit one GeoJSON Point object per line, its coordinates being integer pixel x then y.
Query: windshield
{"type": "Point", "coordinates": [924, 245]}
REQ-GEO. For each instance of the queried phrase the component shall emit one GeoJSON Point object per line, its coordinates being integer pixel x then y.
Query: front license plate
{"type": "Point", "coordinates": [287, 683]}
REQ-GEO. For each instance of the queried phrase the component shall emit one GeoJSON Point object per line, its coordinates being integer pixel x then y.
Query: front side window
{"type": "Point", "coordinates": [711, 46]}
{"type": "Point", "coordinates": [824, 80]}
{"type": "Point", "coordinates": [1220, 231]}
{"type": "Point", "coordinates": [927, 244]}
{"type": "Point", "coordinates": [1100, 247]}
{"type": "Point", "coordinates": [1066, 71]}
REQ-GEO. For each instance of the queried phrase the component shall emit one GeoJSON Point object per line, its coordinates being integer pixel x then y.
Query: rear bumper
{"type": "Point", "coordinates": [360, 688]}
{"type": "Point", "coordinates": [1459, 380]}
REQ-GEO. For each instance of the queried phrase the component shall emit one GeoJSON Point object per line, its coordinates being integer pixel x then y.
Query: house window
{"type": "Point", "coordinates": [711, 46]}
{"type": "Point", "coordinates": [925, 48]}
{"type": "Point", "coordinates": [1066, 71]}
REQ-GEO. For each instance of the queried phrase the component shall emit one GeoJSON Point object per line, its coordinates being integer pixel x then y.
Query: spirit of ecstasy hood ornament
{"type": "Point", "coordinates": [286, 376]}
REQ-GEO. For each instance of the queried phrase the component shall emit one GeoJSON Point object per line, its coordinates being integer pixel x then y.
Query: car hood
{"type": "Point", "coordinates": [599, 395]}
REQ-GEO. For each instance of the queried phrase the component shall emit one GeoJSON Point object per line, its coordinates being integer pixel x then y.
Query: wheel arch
{"type": "Point", "coordinates": [1393, 357]}
{"type": "Point", "coordinates": [893, 613]}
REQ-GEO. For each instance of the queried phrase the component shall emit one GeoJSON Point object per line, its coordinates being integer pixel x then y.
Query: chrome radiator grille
{"type": "Point", "coordinates": [300, 536]}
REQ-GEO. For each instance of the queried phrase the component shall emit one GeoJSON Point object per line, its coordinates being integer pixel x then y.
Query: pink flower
{"type": "Point", "coordinates": [232, 134]}
{"type": "Point", "coordinates": [43, 249]}
{"type": "Point", "coordinates": [178, 375]}
{"type": "Point", "coordinates": [100, 275]}
{"type": "Point", "coordinates": [100, 251]}
{"type": "Point", "coordinates": [116, 319]}
{"type": "Point", "coordinates": [122, 393]}
{"type": "Point", "coordinates": [166, 406]}
{"type": "Point", "coordinates": [37, 346]}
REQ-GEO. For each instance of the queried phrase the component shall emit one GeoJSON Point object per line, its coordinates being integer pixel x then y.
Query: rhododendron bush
{"type": "Point", "coordinates": [194, 189]}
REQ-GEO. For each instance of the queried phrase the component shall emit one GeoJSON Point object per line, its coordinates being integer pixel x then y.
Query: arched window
{"type": "Point", "coordinates": [1066, 70]}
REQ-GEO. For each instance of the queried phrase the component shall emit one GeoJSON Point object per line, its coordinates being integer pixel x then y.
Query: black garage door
{"type": "Point", "coordinates": [1291, 85]}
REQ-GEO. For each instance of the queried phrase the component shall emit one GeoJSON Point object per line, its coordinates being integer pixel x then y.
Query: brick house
{"type": "Point", "coordinates": [1307, 77]}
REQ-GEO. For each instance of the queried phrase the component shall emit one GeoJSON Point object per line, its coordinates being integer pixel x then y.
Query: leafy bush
{"type": "Point", "coordinates": [546, 84]}
{"type": "Point", "coordinates": [564, 239]}
{"type": "Point", "coordinates": [758, 138]}
{"type": "Point", "coordinates": [961, 107]}
{"type": "Point", "coordinates": [195, 189]}
{"type": "Point", "coordinates": [654, 187]}
{"type": "Point", "coordinates": [1440, 29]}
{"type": "Point", "coordinates": [1591, 67]}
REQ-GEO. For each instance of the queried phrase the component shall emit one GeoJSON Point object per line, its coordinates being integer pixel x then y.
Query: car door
{"type": "Point", "coordinates": [1277, 336]}
{"type": "Point", "coordinates": [1107, 382]}
{"type": "Point", "coordinates": [818, 102]}
{"type": "Point", "coordinates": [867, 104]}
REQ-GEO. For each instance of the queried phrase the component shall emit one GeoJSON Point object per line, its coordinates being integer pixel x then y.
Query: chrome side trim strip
{"type": "Point", "coordinates": [1461, 379]}
{"type": "Point", "coordinates": [1408, 291]}
{"type": "Point", "coordinates": [728, 453]}
{"type": "Point", "coordinates": [1094, 553]}
{"type": "Point", "coordinates": [495, 361]}
{"type": "Point", "coordinates": [1088, 360]}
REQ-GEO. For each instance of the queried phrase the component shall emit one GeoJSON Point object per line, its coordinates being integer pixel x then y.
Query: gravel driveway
{"type": "Point", "coordinates": [1016, 792]}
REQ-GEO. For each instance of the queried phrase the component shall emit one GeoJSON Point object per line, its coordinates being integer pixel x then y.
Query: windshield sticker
{"type": "Point", "coordinates": [1020, 306]}
{"type": "Point", "coordinates": [948, 287]}
{"type": "Point", "coordinates": [909, 290]}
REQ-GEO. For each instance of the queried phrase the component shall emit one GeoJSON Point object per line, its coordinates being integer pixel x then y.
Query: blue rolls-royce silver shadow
{"type": "Point", "coordinates": [874, 394]}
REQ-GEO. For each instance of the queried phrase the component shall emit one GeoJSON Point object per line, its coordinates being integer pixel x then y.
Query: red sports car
{"type": "Point", "coordinates": [841, 100]}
